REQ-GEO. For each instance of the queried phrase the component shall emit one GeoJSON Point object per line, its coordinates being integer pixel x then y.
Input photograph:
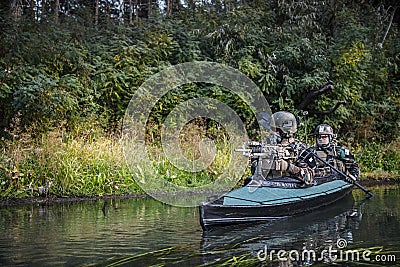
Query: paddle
{"type": "Point", "coordinates": [342, 174]}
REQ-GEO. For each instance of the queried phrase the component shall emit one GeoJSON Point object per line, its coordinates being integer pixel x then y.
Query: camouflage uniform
{"type": "Point", "coordinates": [286, 162]}
{"type": "Point", "coordinates": [337, 156]}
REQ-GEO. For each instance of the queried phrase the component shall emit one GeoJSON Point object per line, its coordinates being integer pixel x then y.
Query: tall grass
{"type": "Point", "coordinates": [93, 164]}
{"type": "Point", "coordinates": [89, 165]}
{"type": "Point", "coordinates": [74, 167]}
{"type": "Point", "coordinates": [379, 160]}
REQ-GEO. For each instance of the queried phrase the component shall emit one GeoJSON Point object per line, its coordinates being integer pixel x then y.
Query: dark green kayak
{"type": "Point", "coordinates": [272, 199]}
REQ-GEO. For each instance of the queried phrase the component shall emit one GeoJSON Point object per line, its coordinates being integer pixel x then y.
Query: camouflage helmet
{"type": "Point", "coordinates": [324, 135]}
{"type": "Point", "coordinates": [323, 129]}
{"type": "Point", "coordinates": [285, 123]}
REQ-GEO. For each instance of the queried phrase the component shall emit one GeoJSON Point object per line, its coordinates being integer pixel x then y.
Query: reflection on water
{"type": "Point", "coordinates": [143, 232]}
{"type": "Point", "coordinates": [80, 233]}
{"type": "Point", "coordinates": [312, 231]}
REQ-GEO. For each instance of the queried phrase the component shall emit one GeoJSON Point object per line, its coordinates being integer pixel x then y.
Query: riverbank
{"type": "Point", "coordinates": [380, 181]}
{"type": "Point", "coordinates": [93, 166]}
{"type": "Point", "coordinates": [52, 199]}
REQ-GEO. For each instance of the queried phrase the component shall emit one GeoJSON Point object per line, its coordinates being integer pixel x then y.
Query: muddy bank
{"type": "Point", "coordinates": [379, 181]}
{"type": "Point", "coordinates": [56, 199]}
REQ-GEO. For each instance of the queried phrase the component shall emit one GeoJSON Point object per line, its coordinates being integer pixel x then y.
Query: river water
{"type": "Point", "coordinates": [145, 232]}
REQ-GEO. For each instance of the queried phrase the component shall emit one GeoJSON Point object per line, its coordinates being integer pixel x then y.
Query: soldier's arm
{"type": "Point", "coordinates": [304, 174]}
{"type": "Point", "coordinates": [349, 161]}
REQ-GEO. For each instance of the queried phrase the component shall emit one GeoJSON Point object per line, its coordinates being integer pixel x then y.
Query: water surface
{"type": "Point", "coordinates": [144, 232]}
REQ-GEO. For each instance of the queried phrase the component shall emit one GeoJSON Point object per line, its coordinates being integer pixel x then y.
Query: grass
{"type": "Point", "coordinates": [379, 161]}
{"type": "Point", "coordinates": [93, 164]}
{"type": "Point", "coordinates": [75, 167]}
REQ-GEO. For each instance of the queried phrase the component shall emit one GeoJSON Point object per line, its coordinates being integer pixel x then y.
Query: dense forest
{"type": "Point", "coordinates": [68, 69]}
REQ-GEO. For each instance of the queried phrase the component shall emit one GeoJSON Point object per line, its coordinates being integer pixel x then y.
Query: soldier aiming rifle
{"type": "Point", "coordinates": [280, 158]}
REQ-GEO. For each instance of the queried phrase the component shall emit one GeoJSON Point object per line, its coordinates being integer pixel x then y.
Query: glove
{"type": "Point", "coordinates": [304, 174]}
{"type": "Point", "coordinates": [283, 165]}
{"type": "Point", "coordinates": [352, 178]}
{"type": "Point", "coordinates": [307, 174]}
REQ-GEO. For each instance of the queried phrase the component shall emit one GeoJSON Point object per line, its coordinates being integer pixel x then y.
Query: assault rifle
{"type": "Point", "coordinates": [256, 149]}
{"type": "Point", "coordinates": [270, 153]}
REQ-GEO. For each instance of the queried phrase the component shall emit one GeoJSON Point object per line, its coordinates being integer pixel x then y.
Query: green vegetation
{"type": "Point", "coordinates": [69, 69]}
{"type": "Point", "coordinates": [379, 160]}
{"type": "Point", "coordinates": [76, 167]}
{"type": "Point", "coordinates": [92, 164]}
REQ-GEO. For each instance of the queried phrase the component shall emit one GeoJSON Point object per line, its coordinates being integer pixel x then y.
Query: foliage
{"type": "Point", "coordinates": [77, 71]}
{"type": "Point", "coordinates": [90, 165]}
{"type": "Point", "coordinates": [69, 70]}
{"type": "Point", "coordinates": [380, 159]}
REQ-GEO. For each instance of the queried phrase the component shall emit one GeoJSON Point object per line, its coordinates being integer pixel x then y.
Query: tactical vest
{"type": "Point", "coordinates": [285, 151]}
{"type": "Point", "coordinates": [329, 155]}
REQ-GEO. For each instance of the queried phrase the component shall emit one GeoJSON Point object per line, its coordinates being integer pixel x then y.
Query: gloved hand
{"type": "Point", "coordinates": [282, 165]}
{"type": "Point", "coordinates": [304, 174]}
{"type": "Point", "coordinates": [351, 178]}
{"type": "Point", "coordinates": [288, 167]}
{"type": "Point", "coordinates": [307, 174]}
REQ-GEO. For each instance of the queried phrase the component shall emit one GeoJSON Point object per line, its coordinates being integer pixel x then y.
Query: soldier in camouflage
{"type": "Point", "coordinates": [326, 147]}
{"type": "Point", "coordinates": [286, 162]}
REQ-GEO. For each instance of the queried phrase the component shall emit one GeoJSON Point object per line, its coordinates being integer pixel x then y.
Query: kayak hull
{"type": "Point", "coordinates": [266, 202]}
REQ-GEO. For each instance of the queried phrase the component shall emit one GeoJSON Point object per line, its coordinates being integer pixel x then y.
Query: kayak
{"type": "Point", "coordinates": [335, 220]}
{"type": "Point", "coordinates": [272, 199]}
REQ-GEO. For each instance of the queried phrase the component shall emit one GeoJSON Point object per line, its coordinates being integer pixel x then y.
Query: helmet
{"type": "Point", "coordinates": [324, 135]}
{"type": "Point", "coordinates": [285, 123]}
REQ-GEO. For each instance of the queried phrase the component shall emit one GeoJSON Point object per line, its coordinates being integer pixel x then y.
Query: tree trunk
{"type": "Point", "coordinates": [57, 10]}
{"type": "Point", "coordinates": [150, 4]}
{"type": "Point", "coordinates": [68, 8]}
{"type": "Point", "coordinates": [108, 11]}
{"type": "Point", "coordinates": [130, 12]}
{"type": "Point", "coordinates": [169, 7]}
{"type": "Point", "coordinates": [388, 27]}
{"type": "Point", "coordinates": [137, 11]}
{"type": "Point", "coordinates": [121, 11]}
{"type": "Point", "coordinates": [96, 13]}
{"type": "Point", "coordinates": [32, 6]}
{"type": "Point", "coordinates": [43, 8]}
{"type": "Point", "coordinates": [16, 9]}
